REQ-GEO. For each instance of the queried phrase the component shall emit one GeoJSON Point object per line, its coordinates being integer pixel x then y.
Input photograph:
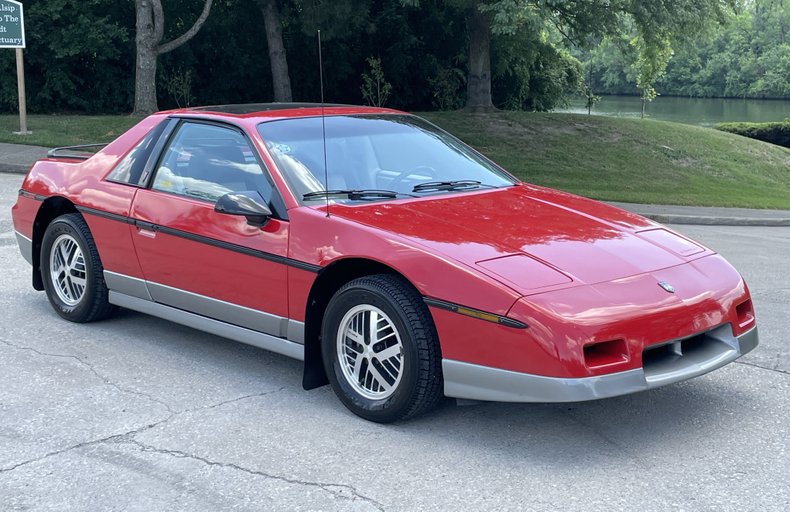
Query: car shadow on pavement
{"type": "Point", "coordinates": [703, 410]}
{"type": "Point", "coordinates": [640, 418]}
{"type": "Point", "coordinates": [696, 411]}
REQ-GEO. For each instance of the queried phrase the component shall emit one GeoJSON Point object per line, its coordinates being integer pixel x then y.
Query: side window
{"type": "Point", "coordinates": [206, 161]}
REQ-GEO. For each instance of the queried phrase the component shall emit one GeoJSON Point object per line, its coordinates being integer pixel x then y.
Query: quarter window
{"type": "Point", "coordinates": [205, 161]}
{"type": "Point", "coordinates": [130, 169]}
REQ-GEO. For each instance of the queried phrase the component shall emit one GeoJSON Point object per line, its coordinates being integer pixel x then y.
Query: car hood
{"type": "Point", "coordinates": [531, 238]}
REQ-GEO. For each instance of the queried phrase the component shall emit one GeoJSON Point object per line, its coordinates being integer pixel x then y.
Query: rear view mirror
{"type": "Point", "coordinates": [248, 203]}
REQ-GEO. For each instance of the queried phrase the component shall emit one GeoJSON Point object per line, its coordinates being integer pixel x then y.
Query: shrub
{"type": "Point", "coordinates": [775, 133]}
{"type": "Point", "coordinates": [448, 88]}
{"type": "Point", "coordinates": [375, 89]}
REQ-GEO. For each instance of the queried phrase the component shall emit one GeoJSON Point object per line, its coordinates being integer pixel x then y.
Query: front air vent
{"type": "Point", "coordinates": [745, 312]}
{"type": "Point", "coordinates": [605, 353]}
{"type": "Point", "coordinates": [684, 358]}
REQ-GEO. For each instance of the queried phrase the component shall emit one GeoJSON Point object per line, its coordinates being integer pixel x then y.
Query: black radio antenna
{"type": "Point", "coordinates": [323, 122]}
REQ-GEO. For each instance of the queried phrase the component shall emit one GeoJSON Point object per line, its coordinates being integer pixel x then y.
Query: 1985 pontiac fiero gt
{"type": "Point", "coordinates": [397, 262]}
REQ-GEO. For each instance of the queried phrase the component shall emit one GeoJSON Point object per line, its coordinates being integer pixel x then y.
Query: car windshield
{"type": "Point", "coordinates": [393, 155]}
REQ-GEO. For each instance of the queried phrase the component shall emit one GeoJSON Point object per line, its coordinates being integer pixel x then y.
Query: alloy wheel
{"type": "Point", "coordinates": [67, 270]}
{"type": "Point", "coordinates": [370, 352]}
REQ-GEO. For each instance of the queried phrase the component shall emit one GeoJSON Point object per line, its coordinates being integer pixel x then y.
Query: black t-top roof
{"type": "Point", "coordinates": [249, 108]}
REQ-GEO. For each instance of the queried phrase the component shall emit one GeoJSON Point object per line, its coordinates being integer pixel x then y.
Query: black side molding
{"type": "Point", "coordinates": [474, 313]}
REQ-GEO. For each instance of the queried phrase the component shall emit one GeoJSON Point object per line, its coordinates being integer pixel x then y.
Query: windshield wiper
{"type": "Point", "coordinates": [448, 185]}
{"type": "Point", "coordinates": [355, 194]}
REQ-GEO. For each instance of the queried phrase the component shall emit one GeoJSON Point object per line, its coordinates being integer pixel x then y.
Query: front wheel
{"type": "Point", "coordinates": [72, 271]}
{"type": "Point", "coordinates": [380, 349]}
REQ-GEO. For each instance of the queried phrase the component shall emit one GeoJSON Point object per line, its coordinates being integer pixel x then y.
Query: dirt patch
{"type": "Point", "coordinates": [687, 161]}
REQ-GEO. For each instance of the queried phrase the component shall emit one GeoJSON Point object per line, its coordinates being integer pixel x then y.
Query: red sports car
{"type": "Point", "coordinates": [397, 262]}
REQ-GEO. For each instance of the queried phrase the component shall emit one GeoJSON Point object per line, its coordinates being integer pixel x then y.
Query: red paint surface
{"type": "Point", "coordinates": [574, 270]}
{"type": "Point", "coordinates": [206, 270]}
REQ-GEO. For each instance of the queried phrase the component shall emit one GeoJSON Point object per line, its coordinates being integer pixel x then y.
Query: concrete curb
{"type": "Point", "coordinates": [18, 158]}
{"type": "Point", "coordinates": [707, 215]}
{"type": "Point", "coordinates": [14, 168]}
{"type": "Point", "coordinates": [716, 221]}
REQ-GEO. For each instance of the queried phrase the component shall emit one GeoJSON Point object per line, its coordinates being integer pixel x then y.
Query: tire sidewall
{"type": "Point", "coordinates": [386, 409]}
{"type": "Point", "coordinates": [65, 226]}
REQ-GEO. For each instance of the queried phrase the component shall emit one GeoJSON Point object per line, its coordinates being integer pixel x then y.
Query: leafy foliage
{"type": "Point", "coordinates": [179, 86]}
{"type": "Point", "coordinates": [533, 74]}
{"type": "Point", "coordinates": [749, 56]}
{"type": "Point", "coordinates": [775, 133]}
{"type": "Point", "coordinates": [80, 55]}
{"type": "Point", "coordinates": [447, 87]}
{"type": "Point", "coordinates": [375, 88]}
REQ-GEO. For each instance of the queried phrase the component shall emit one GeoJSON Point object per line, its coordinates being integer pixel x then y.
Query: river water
{"type": "Point", "coordinates": [699, 111]}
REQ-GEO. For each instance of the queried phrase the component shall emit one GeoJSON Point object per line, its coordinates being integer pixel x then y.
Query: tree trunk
{"type": "Point", "coordinates": [478, 95]}
{"type": "Point", "coordinates": [149, 26]}
{"type": "Point", "coordinates": [145, 76]}
{"type": "Point", "coordinates": [277, 57]}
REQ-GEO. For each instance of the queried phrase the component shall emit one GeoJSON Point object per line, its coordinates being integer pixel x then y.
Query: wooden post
{"type": "Point", "coordinates": [20, 81]}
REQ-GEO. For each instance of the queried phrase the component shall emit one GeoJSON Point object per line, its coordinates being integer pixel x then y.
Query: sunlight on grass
{"type": "Point", "coordinates": [57, 130]}
{"type": "Point", "coordinates": [631, 160]}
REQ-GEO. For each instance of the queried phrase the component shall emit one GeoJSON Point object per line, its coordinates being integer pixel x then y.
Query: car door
{"type": "Point", "coordinates": [196, 259]}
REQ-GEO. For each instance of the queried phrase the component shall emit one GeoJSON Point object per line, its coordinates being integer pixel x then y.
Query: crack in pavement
{"type": "Point", "coordinates": [84, 444]}
{"type": "Point", "coordinates": [332, 488]}
{"type": "Point", "coordinates": [777, 370]}
{"type": "Point", "coordinates": [93, 370]}
{"type": "Point", "coordinates": [595, 430]}
{"type": "Point", "coordinates": [767, 292]}
{"type": "Point", "coordinates": [129, 435]}
{"type": "Point", "coordinates": [343, 491]}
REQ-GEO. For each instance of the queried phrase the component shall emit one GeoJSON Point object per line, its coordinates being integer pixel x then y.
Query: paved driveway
{"type": "Point", "coordinates": [136, 413]}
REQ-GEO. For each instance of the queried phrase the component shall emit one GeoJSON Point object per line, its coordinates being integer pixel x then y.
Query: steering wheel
{"type": "Point", "coordinates": [420, 169]}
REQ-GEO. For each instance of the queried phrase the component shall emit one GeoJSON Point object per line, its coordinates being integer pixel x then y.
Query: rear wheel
{"type": "Point", "coordinates": [72, 271]}
{"type": "Point", "coordinates": [380, 349]}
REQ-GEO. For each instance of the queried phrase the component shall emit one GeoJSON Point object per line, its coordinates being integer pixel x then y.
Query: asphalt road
{"type": "Point", "coordinates": [136, 413]}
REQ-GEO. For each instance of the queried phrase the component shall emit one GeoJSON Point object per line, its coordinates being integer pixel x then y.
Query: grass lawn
{"type": "Point", "coordinates": [56, 130]}
{"type": "Point", "coordinates": [632, 160]}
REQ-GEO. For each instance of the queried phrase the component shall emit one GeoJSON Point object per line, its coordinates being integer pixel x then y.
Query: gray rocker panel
{"type": "Point", "coordinates": [206, 306]}
{"type": "Point", "coordinates": [126, 285]}
{"type": "Point", "coordinates": [221, 310]}
{"type": "Point", "coordinates": [209, 325]}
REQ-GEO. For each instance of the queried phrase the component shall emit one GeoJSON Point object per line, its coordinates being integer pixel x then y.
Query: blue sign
{"type": "Point", "coordinates": [12, 24]}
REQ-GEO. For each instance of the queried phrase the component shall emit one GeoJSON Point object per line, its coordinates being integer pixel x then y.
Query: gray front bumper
{"type": "Point", "coordinates": [717, 348]}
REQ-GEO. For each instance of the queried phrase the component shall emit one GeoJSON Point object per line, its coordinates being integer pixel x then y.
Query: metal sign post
{"type": "Point", "coordinates": [12, 35]}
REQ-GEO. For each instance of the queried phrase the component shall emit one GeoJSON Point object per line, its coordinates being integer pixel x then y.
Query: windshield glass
{"type": "Point", "coordinates": [398, 153]}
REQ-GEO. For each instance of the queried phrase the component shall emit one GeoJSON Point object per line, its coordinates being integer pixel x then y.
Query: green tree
{"type": "Point", "coordinates": [75, 58]}
{"type": "Point", "coordinates": [149, 32]}
{"type": "Point", "coordinates": [657, 25]}
{"type": "Point", "coordinates": [281, 80]}
{"type": "Point", "coordinates": [745, 57]}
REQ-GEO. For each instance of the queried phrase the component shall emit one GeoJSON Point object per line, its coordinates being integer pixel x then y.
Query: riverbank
{"type": "Point", "coordinates": [613, 159]}
{"type": "Point", "coordinates": [680, 109]}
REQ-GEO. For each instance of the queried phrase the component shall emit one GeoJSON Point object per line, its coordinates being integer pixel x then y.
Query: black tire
{"type": "Point", "coordinates": [420, 387]}
{"type": "Point", "coordinates": [93, 303]}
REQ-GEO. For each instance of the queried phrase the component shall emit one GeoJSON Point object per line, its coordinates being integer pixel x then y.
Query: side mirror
{"type": "Point", "coordinates": [248, 203]}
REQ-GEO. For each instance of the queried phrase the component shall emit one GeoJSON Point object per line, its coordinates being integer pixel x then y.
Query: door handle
{"type": "Point", "coordinates": [145, 229]}
{"type": "Point", "coordinates": [146, 232]}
